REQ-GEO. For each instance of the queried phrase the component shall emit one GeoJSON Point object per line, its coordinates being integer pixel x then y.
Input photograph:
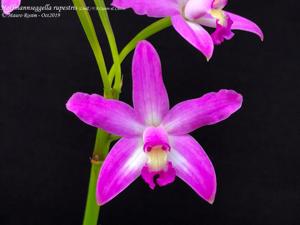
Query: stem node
{"type": "Point", "coordinates": [95, 160]}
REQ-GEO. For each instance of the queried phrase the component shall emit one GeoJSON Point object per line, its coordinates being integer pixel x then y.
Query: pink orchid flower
{"type": "Point", "coordinates": [155, 142]}
{"type": "Point", "coordinates": [9, 5]}
{"type": "Point", "coordinates": [188, 16]}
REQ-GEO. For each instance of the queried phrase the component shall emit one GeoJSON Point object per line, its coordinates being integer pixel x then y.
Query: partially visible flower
{"type": "Point", "coordinates": [188, 16]}
{"type": "Point", "coordinates": [155, 142]}
{"type": "Point", "coordinates": [9, 5]}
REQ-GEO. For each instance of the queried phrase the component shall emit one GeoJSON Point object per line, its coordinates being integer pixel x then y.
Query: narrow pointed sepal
{"type": "Point", "coordinates": [241, 23]}
{"type": "Point", "coordinates": [195, 34]}
{"type": "Point", "coordinates": [111, 115]}
{"type": "Point", "coordinates": [150, 97]}
{"type": "Point", "coordinates": [209, 109]}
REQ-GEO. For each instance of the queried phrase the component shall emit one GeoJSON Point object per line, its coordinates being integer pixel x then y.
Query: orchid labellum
{"type": "Point", "coordinates": [188, 17]}
{"type": "Point", "coordinates": [155, 142]}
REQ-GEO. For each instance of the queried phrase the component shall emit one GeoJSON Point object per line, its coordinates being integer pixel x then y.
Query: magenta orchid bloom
{"type": "Point", "coordinates": [155, 142]}
{"type": "Point", "coordinates": [9, 5]}
{"type": "Point", "coordinates": [188, 16]}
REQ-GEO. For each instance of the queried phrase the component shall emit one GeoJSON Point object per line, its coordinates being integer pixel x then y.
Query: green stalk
{"type": "Point", "coordinates": [89, 30]}
{"type": "Point", "coordinates": [111, 40]}
{"type": "Point", "coordinates": [144, 34]}
{"type": "Point", "coordinates": [102, 140]}
{"type": "Point", "coordinates": [102, 143]}
{"type": "Point", "coordinates": [101, 148]}
{"type": "Point", "coordinates": [91, 208]}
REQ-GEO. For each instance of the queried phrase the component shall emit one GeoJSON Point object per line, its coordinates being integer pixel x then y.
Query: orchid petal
{"type": "Point", "coordinates": [9, 5]}
{"type": "Point", "coordinates": [197, 8]}
{"type": "Point", "coordinates": [195, 34]}
{"type": "Point", "coordinates": [121, 167]}
{"type": "Point", "coordinates": [206, 110]}
{"type": "Point", "coordinates": [241, 23]}
{"type": "Point", "coordinates": [150, 98]}
{"type": "Point", "coordinates": [193, 166]}
{"type": "Point", "coordinates": [110, 115]}
{"type": "Point", "coordinates": [219, 4]}
{"type": "Point", "coordinates": [153, 8]}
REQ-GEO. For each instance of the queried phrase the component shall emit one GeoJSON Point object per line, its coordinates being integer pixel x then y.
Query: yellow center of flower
{"type": "Point", "coordinates": [219, 15]}
{"type": "Point", "coordinates": [157, 158]}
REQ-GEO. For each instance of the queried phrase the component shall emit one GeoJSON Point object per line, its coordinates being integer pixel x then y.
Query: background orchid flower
{"type": "Point", "coordinates": [188, 16]}
{"type": "Point", "coordinates": [155, 142]}
{"type": "Point", "coordinates": [9, 5]}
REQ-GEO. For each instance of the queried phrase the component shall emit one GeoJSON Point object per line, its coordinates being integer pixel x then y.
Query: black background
{"type": "Point", "coordinates": [44, 161]}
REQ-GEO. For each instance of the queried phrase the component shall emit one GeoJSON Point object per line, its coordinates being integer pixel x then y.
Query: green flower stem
{"type": "Point", "coordinates": [103, 139]}
{"type": "Point", "coordinates": [89, 30]}
{"type": "Point", "coordinates": [92, 209]}
{"type": "Point", "coordinates": [102, 143]}
{"type": "Point", "coordinates": [101, 148]}
{"type": "Point", "coordinates": [144, 34]}
{"type": "Point", "coordinates": [101, 8]}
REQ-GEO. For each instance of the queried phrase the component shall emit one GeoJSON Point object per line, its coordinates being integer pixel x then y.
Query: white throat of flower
{"type": "Point", "coordinates": [157, 158]}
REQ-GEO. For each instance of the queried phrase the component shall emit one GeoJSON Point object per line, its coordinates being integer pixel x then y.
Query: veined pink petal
{"type": "Point", "coordinates": [241, 23]}
{"type": "Point", "coordinates": [152, 8]}
{"type": "Point", "coordinates": [206, 110]}
{"type": "Point", "coordinates": [197, 8]}
{"type": "Point", "coordinates": [110, 115]}
{"type": "Point", "coordinates": [9, 5]}
{"type": "Point", "coordinates": [150, 98]}
{"type": "Point", "coordinates": [121, 167]}
{"type": "Point", "coordinates": [195, 34]}
{"type": "Point", "coordinates": [193, 166]}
